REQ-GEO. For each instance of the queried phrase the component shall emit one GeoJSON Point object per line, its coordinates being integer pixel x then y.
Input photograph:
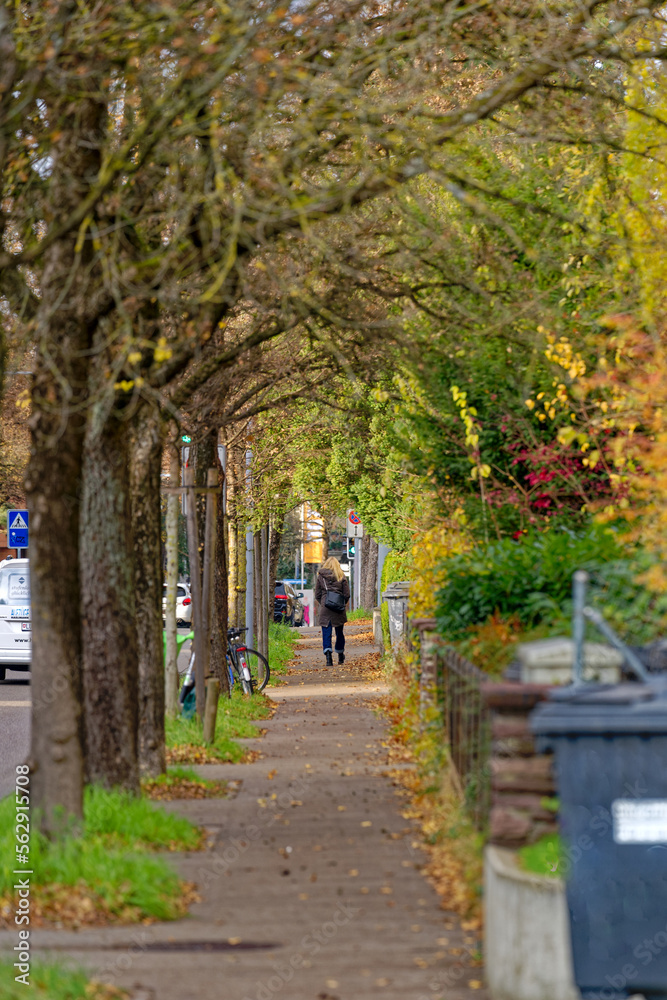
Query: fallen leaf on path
{"type": "Point", "coordinates": [72, 907]}
{"type": "Point", "coordinates": [103, 991]}
{"type": "Point", "coordinates": [184, 788]}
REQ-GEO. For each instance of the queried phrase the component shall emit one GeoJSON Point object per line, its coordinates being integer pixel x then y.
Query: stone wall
{"type": "Point", "coordinates": [520, 779]}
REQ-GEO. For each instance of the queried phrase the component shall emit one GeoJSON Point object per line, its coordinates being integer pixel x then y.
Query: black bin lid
{"type": "Point", "coordinates": [602, 709]}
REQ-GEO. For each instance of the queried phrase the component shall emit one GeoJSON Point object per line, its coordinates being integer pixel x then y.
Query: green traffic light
{"type": "Point", "coordinates": [186, 439]}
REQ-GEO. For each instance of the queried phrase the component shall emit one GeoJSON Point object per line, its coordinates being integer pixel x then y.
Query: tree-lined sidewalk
{"type": "Point", "coordinates": [312, 888]}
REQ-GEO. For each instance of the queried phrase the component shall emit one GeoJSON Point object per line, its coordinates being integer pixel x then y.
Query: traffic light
{"type": "Point", "coordinates": [351, 548]}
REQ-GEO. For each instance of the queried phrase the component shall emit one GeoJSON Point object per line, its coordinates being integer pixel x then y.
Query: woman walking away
{"type": "Point", "coordinates": [332, 591]}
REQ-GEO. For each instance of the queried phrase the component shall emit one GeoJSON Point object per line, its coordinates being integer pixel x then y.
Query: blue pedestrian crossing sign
{"type": "Point", "coordinates": [18, 523]}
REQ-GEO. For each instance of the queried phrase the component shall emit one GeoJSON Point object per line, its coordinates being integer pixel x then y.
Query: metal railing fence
{"type": "Point", "coordinates": [466, 722]}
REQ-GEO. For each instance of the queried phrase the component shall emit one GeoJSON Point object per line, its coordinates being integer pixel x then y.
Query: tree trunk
{"type": "Point", "coordinates": [369, 575]}
{"type": "Point", "coordinates": [242, 576]}
{"type": "Point", "coordinates": [257, 589]}
{"type": "Point", "coordinates": [233, 571]}
{"type": "Point", "coordinates": [110, 661]}
{"type": "Point", "coordinates": [171, 661]}
{"type": "Point", "coordinates": [327, 528]}
{"type": "Point", "coordinates": [263, 646]}
{"type": "Point", "coordinates": [275, 538]}
{"type": "Point", "coordinates": [236, 544]}
{"type": "Point", "coordinates": [145, 470]}
{"type": "Point", "coordinates": [220, 619]}
{"type": "Point", "coordinates": [53, 485]}
{"type": "Point", "coordinates": [195, 588]}
{"type": "Point", "coordinates": [203, 456]}
{"type": "Point", "coordinates": [208, 569]}
{"type": "Point", "coordinates": [54, 475]}
{"type": "Point", "coordinates": [233, 542]}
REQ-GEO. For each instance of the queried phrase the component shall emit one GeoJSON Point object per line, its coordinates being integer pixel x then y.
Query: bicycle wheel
{"type": "Point", "coordinates": [241, 671]}
{"type": "Point", "coordinates": [257, 665]}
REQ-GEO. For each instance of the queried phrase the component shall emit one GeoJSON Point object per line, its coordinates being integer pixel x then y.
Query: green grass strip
{"type": "Point", "coordinates": [176, 775]}
{"type": "Point", "coordinates": [359, 614]}
{"type": "Point", "coordinates": [282, 643]}
{"type": "Point", "coordinates": [235, 721]}
{"type": "Point", "coordinates": [137, 823]}
{"type": "Point", "coordinates": [52, 982]}
{"type": "Point", "coordinates": [543, 857]}
{"type": "Point", "coordinates": [112, 858]}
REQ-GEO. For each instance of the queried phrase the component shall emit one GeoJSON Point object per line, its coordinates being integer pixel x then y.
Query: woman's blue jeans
{"type": "Point", "coordinates": [326, 638]}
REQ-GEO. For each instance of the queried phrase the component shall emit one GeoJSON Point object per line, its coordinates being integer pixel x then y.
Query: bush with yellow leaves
{"type": "Point", "coordinates": [428, 555]}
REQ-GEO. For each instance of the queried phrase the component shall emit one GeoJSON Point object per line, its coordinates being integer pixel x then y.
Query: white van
{"type": "Point", "coordinates": [15, 622]}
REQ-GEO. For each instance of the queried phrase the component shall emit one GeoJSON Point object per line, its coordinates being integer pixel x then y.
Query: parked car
{"type": "Point", "coordinates": [288, 606]}
{"type": "Point", "coordinates": [15, 618]}
{"type": "Point", "coordinates": [183, 604]}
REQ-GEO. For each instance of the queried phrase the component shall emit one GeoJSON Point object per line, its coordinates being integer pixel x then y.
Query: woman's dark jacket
{"type": "Point", "coordinates": [325, 616]}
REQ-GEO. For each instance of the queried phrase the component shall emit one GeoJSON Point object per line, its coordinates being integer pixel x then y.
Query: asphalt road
{"type": "Point", "coordinates": [15, 719]}
{"type": "Point", "coordinates": [14, 726]}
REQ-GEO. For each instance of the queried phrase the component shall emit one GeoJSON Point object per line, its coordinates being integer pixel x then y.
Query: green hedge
{"type": "Point", "coordinates": [530, 580]}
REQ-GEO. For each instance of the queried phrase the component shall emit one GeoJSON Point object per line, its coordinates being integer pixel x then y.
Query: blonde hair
{"type": "Point", "coordinates": [335, 567]}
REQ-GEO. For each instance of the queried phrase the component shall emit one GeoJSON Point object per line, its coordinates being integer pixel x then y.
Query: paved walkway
{"type": "Point", "coordinates": [312, 889]}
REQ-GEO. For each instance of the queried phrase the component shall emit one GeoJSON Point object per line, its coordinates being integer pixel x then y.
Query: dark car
{"type": "Point", "coordinates": [288, 607]}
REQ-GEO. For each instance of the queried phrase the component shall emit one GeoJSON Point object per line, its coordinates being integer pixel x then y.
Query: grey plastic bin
{"type": "Point", "coordinates": [610, 745]}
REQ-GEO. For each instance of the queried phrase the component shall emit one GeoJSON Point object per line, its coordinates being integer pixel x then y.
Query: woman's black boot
{"type": "Point", "coordinates": [329, 658]}
{"type": "Point", "coordinates": [341, 657]}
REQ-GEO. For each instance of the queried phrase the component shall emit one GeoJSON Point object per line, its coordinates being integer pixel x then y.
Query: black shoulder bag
{"type": "Point", "coordinates": [334, 601]}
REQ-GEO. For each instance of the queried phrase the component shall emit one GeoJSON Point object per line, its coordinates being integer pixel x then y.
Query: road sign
{"type": "Point", "coordinates": [355, 528]}
{"type": "Point", "coordinates": [18, 523]}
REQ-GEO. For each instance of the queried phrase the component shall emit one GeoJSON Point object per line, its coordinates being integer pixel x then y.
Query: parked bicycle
{"type": "Point", "coordinates": [244, 665]}
{"type": "Point", "coordinates": [248, 663]}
